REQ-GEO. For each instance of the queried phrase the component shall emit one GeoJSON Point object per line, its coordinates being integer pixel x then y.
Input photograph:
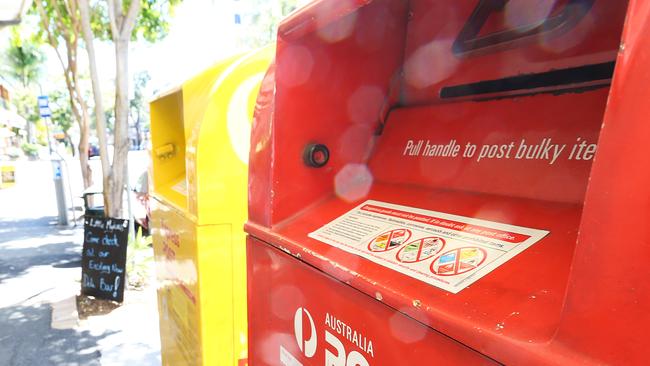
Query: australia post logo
{"type": "Point", "coordinates": [307, 345]}
{"type": "Point", "coordinates": [340, 341]}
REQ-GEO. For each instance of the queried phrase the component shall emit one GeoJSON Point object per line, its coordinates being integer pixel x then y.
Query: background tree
{"type": "Point", "coordinates": [62, 117]}
{"type": "Point", "coordinates": [262, 25]}
{"type": "Point", "coordinates": [23, 62]}
{"type": "Point", "coordinates": [121, 22]}
{"type": "Point", "coordinates": [138, 107]}
{"type": "Point", "coordinates": [23, 59]}
{"type": "Point", "coordinates": [61, 27]}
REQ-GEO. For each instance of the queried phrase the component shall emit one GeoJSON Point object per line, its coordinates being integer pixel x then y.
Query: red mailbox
{"type": "Point", "coordinates": [452, 182]}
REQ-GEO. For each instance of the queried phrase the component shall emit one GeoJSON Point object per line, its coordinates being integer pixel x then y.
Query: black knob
{"type": "Point", "coordinates": [316, 155]}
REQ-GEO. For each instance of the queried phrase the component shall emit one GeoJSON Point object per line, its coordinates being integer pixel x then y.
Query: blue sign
{"type": "Point", "coordinates": [44, 106]}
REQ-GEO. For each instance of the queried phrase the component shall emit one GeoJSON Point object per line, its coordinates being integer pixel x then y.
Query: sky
{"type": "Point", "coordinates": [201, 33]}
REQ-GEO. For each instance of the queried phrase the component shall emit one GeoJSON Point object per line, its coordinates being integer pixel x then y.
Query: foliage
{"type": "Point", "coordinates": [59, 25]}
{"type": "Point", "coordinates": [22, 62]}
{"type": "Point", "coordinates": [153, 21]}
{"type": "Point", "coordinates": [262, 25]}
{"type": "Point", "coordinates": [151, 25]}
{"type": "Point", "coordinates": [26, 104]}
{"type": "Point", "coordinates": [24, 99]}
{"type": "Point", "coordinates": [61, 112]}
{"type": "Point", "coordinates": [41, 133]}
{"type": "Point", "coordinates": [109, 116]}
{"type": "Point", "coordinates": [23, 59]}
{"type": "Point", "coordinates": [138, 103]}
{"type": "Point", "coordinates": [139, 259]}
{"type": "Point", "coordinates": [30, 150]}
{"type": "Point", "coordinates": [138, 106]}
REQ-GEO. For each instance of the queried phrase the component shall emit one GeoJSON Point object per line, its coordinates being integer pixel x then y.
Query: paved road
{"type": "Point", "coordinates": [37, 262]}
{"type": "Point", "coordinates": [39, 266]}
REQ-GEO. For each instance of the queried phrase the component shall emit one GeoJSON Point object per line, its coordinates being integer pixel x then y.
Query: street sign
{"type": "Point", "coordinates": [44, 106]}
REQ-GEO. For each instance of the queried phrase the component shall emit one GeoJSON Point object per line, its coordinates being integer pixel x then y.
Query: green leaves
{"type": "Point", "coordinates": [61, 111]}
{"type": "Point", "coordinates": [99, 22]}
{"type": "Point", "coordinates": [58, 18]}
{"type": "Point", "coordinates": [23, 59]}
{"type": "Point", "coordinates": [152, 23]}
{"type": "Point", "coordinates": [261, 25]}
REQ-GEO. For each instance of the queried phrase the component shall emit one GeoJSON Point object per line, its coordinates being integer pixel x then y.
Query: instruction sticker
{"type": "Point", "coordinates": [444, 250]}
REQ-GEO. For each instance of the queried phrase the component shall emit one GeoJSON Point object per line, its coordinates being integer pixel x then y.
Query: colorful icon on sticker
{"type": "Point", "coordinates": [420, 250]}
{"type": "Point", "coordinates": [458, 261]}
{"type": "Point", "coordinates": [389, 240]}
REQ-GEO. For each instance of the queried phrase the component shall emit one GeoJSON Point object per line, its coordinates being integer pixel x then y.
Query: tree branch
{"type": "Point", "coordinates": [84, 11]}
{"type": "Point", "coordinates": [119, 11]}
{"type": "Point", "coordinates": [131, 17]}
{"type": "Point", "coordinates": [112, 20]}
{"type": "Point", "coordinates": [58, 19]}
{"type": "Point", "coordinates": [53, 41]}
{"type": "Point", "coordinates": [66, 3]}
{"type": "Point", "coordinates": [74, 18]}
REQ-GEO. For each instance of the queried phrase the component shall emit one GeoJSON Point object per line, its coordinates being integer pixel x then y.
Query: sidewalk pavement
{"type": "Point", "coordinates": [39, 280]}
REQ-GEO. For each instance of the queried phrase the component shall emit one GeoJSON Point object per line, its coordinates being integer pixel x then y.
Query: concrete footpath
{"type": "Point", "coordinates": [39, 280]}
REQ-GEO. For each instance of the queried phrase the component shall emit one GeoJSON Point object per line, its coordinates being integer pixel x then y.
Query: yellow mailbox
{"type": "Point", "coordinates": [200, 137]}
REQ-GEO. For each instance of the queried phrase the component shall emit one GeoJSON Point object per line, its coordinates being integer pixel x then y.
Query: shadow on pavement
{"type": "Point", "coordinates": [73, 263]}
{"type": "Point", "coordinates": [15, 262]}
{"type": "Point", "coordinates": [21, 229]}
{"type": "Point", "coordinates": [26, 339]}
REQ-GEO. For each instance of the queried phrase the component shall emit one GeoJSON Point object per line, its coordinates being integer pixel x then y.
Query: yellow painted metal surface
{"type": "Point", "coordinates": [200, 137]}
{"type": "Point", "coordinates": [7, 175]}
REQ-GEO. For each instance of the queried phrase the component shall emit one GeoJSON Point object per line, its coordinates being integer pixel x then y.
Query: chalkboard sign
{"type": "Point", "coordinates": [103, 259]}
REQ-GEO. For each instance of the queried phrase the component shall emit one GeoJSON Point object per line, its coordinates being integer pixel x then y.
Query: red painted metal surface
{"type": "Point", "coordinates": [576, 297]}
{"type": "Point", "coordinates": [605, 315]}
{"type": "Point", "coordinates": [516, 306]}
{"type": "Point", "coordinates": [373, 332]}
{"type": "Point", "coordinates": [430, 63]}
{"type": "Point", "coordinates": [507, 124]}
{"type": "Point", "coordinates": [351, 63]}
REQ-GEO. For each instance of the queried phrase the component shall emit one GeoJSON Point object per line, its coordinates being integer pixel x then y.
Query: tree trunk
{"type": "Point", "coordinates": [80, 113]}
{"type": "Point", "coordinates": [84, 133]}
{"type": "Point", "coordinates": [138, 131]}
{"type": "Point", "coordinates": [109, 202]}
{"type": "Point", "coordinates": [122, 25]}
{"type": "Point", "coordinates": [29, 128]}
{"type": "Point", "coordinates": [121, 131]}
